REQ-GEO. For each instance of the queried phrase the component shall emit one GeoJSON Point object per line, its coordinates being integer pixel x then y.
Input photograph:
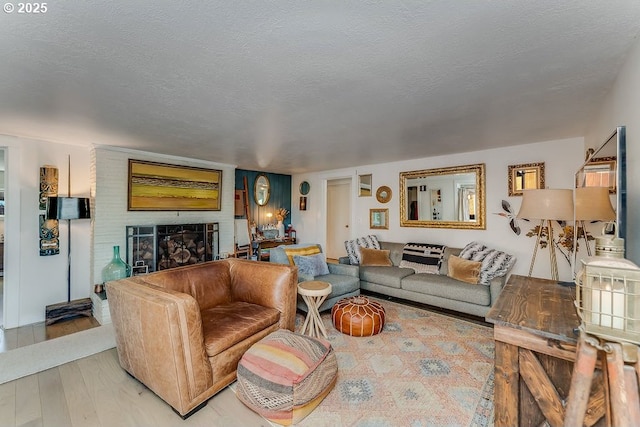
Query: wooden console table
{"type": "Point", "coordinates": [534, 321]}
{"type": "Point", "coordinates": [260, 245]}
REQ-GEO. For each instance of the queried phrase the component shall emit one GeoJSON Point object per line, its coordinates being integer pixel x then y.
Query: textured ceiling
{"type": "Point", "coordinates": [292, 86]}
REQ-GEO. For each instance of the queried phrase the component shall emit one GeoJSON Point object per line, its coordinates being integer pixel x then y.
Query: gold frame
{"type": "Point", "coordinates": [267, 196]}
{"type": "Point", "coordinates": [362, 190]}
{"type": "Point", "coordinates": [598, 161]}
{"type": "Point", "coordinates": [375, 223]}
{"type": "Point", "coordinates": [165, 187]}
{"type": "Point", "coordinates": [513, 170]}
{"type": "Point", "coordinates": [479, 171]}
{"type": "Point", "coordinates": [380, 194]}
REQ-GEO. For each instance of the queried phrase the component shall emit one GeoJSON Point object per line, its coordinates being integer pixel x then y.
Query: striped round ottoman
{"type": "Point", "coordinates": [358, 316]}
{"type": "Point", "coordinates": [284, 376]}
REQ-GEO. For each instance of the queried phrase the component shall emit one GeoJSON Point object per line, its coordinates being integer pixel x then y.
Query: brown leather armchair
{"type": "Point", "coordinates": [181, 332]}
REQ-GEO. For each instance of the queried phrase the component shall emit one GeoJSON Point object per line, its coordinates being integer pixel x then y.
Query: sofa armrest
{"type": "Point", "coordinates": [266, 284]}
{"type": "Point", "coordinates": [160, 341]}
{"type": "Point", "coordinates": [345, 270]}
{"type": "Point", "coordinates": [495, 287]}
{"type": "Point", "coordinates": [344, 260]}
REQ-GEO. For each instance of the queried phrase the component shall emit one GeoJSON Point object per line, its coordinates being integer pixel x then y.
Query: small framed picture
{"type": "Point", "coordinates": [379, 218]}
{"type": "Point", "coordinates": [303, 203]}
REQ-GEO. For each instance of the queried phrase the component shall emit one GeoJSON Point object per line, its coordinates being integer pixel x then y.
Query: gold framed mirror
{"type": "Point", "coordinates": [379, 219]}
{"type": "Point", "coordinates": [451, 197]}
{"type": "Point", "coordinates": [383, 194]}
{"type": "Point", "coordinates": [599, 172]}
{"type": "Point", "coordinates": [364, 185]}
{"type": "Point", "coordinates": [261, 190]}
{"type": "Point", "coordinates": [527, 176]}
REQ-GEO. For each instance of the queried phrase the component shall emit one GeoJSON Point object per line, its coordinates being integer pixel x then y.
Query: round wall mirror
{"type": "Point", "coordinates": [304, 188]}
{"type": "Point", "coordinates": [383, 194]}
{"type": "Point", "coordinates": [261, 190]}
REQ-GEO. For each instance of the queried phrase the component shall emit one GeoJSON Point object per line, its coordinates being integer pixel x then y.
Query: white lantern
{"type": "Point", "coordinates": [608, 298]}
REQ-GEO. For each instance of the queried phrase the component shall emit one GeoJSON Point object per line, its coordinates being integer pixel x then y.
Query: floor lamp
{"type": "Point", "coordinates": [69, 209]}
{"type": "Point", "coordinates": [546, 205]}
{"type": "Point", "coordinates": [591, 204]}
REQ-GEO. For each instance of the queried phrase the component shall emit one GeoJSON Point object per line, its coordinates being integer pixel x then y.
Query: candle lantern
{"type": "Point", "coordinates": [608, 298]}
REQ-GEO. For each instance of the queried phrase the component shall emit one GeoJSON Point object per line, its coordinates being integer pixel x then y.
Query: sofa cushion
{"type": "Point", "coordinates": [446, 287]}
{"type": "Point", "coordinates": [422, 257]}
{"type": "Point", "coordinates": [300, 250]}
{"type": "Point", "coordinates": [494, 263]}
{"type": "Point", "coordinates": [340, 284]}
{"type": "Point", "coordinates": [395, 251]}
{"type": "Point", "coordinates": [312, 265]}
{"type": "Point", "coordinates": [353, 247]}
{"type": "Point", "coordinates": [375, 257]}
{"type": "Point", "coordinates": [464, 270]}
{"type": "Point", "coordinates": [227, 324]}
{"type": "Point", "coordinates": [387, 276]}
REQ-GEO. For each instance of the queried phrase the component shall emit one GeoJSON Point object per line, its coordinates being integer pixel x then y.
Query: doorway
{"type": "Point", "coordinates": [338, 216]}
{"type": "Point", "coordinates": [2, 210]}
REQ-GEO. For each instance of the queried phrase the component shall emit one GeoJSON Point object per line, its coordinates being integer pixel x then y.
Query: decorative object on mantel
{"type": "Point", "coordinates": [163, 187]}
{"type": "Point", "coordinates": [48, 228]}
{"type": "Point", "coordinates": [68, 208]}
{"type": "Point", "coordinates": [547, 205]}
{"type": "Point", "coordinates": [116, 269]}
{"type": "Point", "coordinates": [383, 194]}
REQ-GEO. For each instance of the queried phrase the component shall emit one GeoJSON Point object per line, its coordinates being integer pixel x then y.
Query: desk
{"type": "Point", "coordinates": [533, 322]}
{"type": "Point", "coordinates": [260, 245]}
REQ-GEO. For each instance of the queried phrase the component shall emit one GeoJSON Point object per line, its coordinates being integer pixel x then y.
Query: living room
{"type": "Point", "coordinates": [99, 170]}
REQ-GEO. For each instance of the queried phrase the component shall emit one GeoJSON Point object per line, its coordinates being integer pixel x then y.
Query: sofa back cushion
{"type": "Point", "coordinates": [444, 267]}
{"type": "Point", "coordinates": [395, 251]}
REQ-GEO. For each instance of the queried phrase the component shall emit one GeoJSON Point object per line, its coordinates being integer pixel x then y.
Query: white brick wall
{"type": "Point", "coordinates": [109, 174]}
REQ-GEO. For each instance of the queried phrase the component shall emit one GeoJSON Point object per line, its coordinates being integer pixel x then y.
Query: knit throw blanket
{"type": "Point", "coordinates": [422, 257]}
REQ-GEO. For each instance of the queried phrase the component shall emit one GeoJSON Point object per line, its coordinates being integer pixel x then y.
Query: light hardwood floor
{"type": "Point", "coordinates": [38, 332]}
{"type": "Point", "coordinates": [96, 391]}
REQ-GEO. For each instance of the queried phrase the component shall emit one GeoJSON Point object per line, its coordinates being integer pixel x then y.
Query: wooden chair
{"type": "Point", "coordinates": [243, 247]}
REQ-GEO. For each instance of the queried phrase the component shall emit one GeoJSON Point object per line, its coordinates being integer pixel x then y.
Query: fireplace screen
{"type": "Point", "coordinates": [158, 247]}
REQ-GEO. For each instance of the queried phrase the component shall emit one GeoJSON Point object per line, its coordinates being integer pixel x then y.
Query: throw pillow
{"type": "Point", "coordinates": [374, 257]}
{"type": "Point", "coordinates": [422, 257]}
{"type": "Point", "coordinates": [307, 250]}
{"type": "Point", "coordinates": [312, 265]}
{"type": "Point", "coordinates": [494, 263]}
{"type": "Point", "coordinates": [353, 247]}
{"type": "Point", "coordinates": [464, 270]}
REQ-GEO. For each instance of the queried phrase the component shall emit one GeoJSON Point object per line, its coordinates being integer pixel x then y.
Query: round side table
{"type": "Point", "coordinates": [314, 293]}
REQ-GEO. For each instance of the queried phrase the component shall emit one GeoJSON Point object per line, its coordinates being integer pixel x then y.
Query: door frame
{"type": "Point", "coordinates": [327, 181]}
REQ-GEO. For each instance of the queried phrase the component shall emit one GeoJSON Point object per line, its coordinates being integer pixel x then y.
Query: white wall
{"type": "Point", "coordinates": [31, 281]}
{"type": "Point", "coordinates": [622, 107]}
{"type": "Point", "coordinates": [561, 157]}
{"type": "Point", "coordinates": [111, 215]}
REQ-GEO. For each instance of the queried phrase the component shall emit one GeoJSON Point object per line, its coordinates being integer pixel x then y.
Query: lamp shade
{"type": "Point", "coordinates": [594, 204]}
{"type": "Point", "coordinates": [547, 203]}
{"type": "Point", "coordinates": [68, 208]}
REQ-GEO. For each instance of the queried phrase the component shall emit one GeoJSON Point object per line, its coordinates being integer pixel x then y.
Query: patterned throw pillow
{"type": "Point", "coordinates": [353, 247]}
{"type": "Point", "coordinates": [494, 263]}
{"type": "Point", "coordinates": [307, 250]}
{"type": "Point", "coordinates": [422, 257]}
{"type": "Point", "coordinates": [312, 265]}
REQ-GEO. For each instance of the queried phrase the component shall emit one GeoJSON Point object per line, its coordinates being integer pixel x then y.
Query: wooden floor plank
{"type": "Point", "coordinates": [39, 332]}
{"type": "Point", "coordinates": [28, 408]}
{"type": "Point", "coordinates": [231, 411]}
{"type": "Point", "coordinates": [55, 412]}
{"type": "Point", "coordinates": [82, 412]}
{"type": "Point", "coordinates": [8, 403]}
{"type": "Point", "coordinates": [8, 339]}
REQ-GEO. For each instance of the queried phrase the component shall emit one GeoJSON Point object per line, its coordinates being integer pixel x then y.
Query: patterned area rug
{"type": "Point", "coordinates": [423, 369]}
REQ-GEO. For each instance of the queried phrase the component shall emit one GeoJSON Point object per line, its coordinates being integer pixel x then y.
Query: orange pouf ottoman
{"type": "Point", "coordinates": [285, 376]}
{"type": "Point", "coordinates": [358, 316]}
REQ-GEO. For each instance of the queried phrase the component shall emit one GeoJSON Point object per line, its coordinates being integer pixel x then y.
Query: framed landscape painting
{"type": "Point", "coordinates": [163, 187]}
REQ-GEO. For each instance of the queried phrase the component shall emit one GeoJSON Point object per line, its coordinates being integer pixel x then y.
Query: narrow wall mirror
{"type": "Point", "coordinates": [261, 190]}
{"type": "Point", "coordinates": [452, 197]}
{"type": "Point", "coordinates": [527, 176]}
{"type": "Point", "coordinates": [364, 185]}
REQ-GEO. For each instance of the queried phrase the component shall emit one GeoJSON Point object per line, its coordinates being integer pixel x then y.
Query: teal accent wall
{"type": "Point", "coordinates": [280, 195]}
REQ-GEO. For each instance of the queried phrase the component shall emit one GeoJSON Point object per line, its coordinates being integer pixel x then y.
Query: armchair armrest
{"type": "Point", "coordinates": [267, 284]}
{"type": "Point", "coordinates": [160, 342]}
{"type": "Point", "coordinates": [344, 269]}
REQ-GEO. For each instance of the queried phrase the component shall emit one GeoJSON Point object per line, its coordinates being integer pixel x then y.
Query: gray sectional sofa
{"type": "Point", "coordinates": [438, 290]}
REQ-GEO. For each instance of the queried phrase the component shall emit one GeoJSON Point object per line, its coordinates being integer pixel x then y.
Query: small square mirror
{"type": "Point", "coordinates": [528, 176]}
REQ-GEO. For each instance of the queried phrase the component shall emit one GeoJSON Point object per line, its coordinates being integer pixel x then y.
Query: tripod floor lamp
{"type": "Point", "coordinates": [592, 204]}
{"type": "Point", "coordinates": [546, 205]}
